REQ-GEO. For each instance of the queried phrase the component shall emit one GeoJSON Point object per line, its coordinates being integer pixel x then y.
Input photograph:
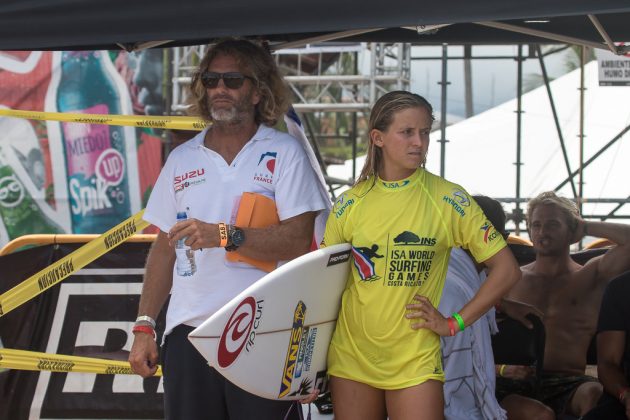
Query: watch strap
{"type": "Point", "coordinates": [231, 246]}
{"type": "Point", "coordinates": [223, 235]}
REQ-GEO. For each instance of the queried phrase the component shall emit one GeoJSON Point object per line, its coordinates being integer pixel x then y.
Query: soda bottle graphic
{"type": "Point", "coordinates": [20, 213]}
{"type": "Point", "coordinates": [96, 162]}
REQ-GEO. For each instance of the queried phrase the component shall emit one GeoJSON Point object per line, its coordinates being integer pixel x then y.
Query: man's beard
{"type": "Point", "coordinates": [234, 113]}
{"type": "Point", "coordinates": [229, 115]}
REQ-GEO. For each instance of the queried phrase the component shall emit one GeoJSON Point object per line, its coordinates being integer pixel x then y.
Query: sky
{"type": "Point", "coordinates": [494, 81]}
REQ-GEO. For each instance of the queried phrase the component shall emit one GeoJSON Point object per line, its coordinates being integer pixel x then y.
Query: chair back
{"type": "Point", "coordinates": [516, 344]}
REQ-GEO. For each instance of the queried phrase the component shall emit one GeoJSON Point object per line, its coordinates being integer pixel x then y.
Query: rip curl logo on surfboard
{"type": "Point", "coordinates": [363, 262]}
{"type": "Point", "coordinates": [236, 332]}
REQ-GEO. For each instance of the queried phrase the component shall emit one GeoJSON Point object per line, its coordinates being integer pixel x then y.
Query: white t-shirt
{"type": "Point", "coordinates": [198, 180]}
{"type": "Point", "coordinates": [467, 357]}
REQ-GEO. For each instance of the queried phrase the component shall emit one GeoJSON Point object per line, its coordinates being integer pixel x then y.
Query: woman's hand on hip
{"type": "Point", "coordinates": [424, 315]}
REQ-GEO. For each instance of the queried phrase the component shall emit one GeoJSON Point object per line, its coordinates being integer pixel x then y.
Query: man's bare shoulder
{"type": "Point", "coordinates": [528, 269]}
{"type": "Point", "coordinates": [577, 275]}
{"type": "Point", "coordinates": [531, 287]}
{"type": "Point", "coordinates": [531, 273]}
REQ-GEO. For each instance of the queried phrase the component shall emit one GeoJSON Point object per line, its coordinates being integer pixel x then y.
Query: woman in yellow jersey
{"type": "Point", "coordinates": [402, 222]}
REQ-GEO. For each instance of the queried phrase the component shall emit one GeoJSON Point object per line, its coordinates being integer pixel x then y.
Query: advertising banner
{"type": "Point", "coordinates": [90, 314]}
{"type": "Point", "coordinates": [58, 177]}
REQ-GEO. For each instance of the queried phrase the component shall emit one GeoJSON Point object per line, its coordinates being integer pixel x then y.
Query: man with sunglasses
{"type": "Point", "coordinates": [239, 90]}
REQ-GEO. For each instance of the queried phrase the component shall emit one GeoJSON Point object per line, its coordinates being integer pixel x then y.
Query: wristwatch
{"type": "Point", "coordinates": [236, 237]}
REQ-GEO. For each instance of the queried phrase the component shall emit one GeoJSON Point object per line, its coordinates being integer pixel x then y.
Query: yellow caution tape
{"type": "Point", "coordinates": [32, 360]}
{"type": "Point", "coordinates": [71, 263]}
{"type": "Point", "coordinates": [149, 121]}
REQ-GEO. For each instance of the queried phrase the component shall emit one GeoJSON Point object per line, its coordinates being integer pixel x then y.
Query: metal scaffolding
{"type": "Point", "coordinates": [344, 87]}
{"type": "Point", "coordinates": [390, 66]}
{"type": "Point", "coordinates": [348, 88]}
{"type": "Point", "coordinates": [574, 176]}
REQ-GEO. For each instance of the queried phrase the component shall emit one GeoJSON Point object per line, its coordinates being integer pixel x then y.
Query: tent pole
{"type": "Point", "coordinates": [595, 156]}
{"type": "Point", "coordinates": [355, 56]}
{"type": "Point", "coordinates": [318, 154]}
{"type": "Point", "coordinates": [613, 211]}
{"type": "Point", "coordinates": [518, 216]}
{"type": "Point", "coordinates": [300, 43]}
{"type": "Point", "coordinates": [581, 135]}
{"type": "Point", "coordinates": [443, 83]}
{"type": "Point", "coordinates": [600, 28]}
{"type": "Point", "coordinates": [372, 73]}
{"type": "Point", "coordinates": [543, 68]}
{"type": "Point", "coordinates": [468, 81]}
{"type": "Point", "coordinates": [543, 34]}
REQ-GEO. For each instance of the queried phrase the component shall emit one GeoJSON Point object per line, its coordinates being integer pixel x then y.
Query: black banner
{"type": "Point", "coordinates": [89, 314]}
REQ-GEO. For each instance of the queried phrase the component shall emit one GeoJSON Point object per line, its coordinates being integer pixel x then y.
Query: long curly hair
{"type": "Point", "coordinates": [253, 60]}
{"type": "Point", "coordinates": [381, 118]}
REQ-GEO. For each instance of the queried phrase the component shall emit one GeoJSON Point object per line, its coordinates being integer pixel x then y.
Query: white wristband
{"type": "Point", "coordinates": [146, 318]}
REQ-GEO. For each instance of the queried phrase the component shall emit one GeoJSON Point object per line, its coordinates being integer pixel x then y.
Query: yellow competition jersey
{"type": "Point", "coordinates": [401, 234]}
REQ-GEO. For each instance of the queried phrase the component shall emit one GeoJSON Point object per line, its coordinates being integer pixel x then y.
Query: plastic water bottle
{"type": "Point", "coordinates": [185, 256]}
{"type": "Point", "coordinates": [96, 155]}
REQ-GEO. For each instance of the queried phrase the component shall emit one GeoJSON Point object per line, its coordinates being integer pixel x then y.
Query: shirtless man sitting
{"type": "Point", "coordinates": [569, 295]}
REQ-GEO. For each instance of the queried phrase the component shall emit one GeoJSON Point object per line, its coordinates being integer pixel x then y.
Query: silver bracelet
{"type": "Point", "coordinates": [145, 318]}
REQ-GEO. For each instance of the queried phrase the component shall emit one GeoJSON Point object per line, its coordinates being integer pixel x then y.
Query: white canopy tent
{"type": "Point", "coordinates": [481, 150]}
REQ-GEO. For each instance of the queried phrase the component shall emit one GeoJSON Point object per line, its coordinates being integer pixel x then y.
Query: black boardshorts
{"type": "Point", "coordinates": [195, 391]}
{"type": "Point", "coordinates": [555, 390]}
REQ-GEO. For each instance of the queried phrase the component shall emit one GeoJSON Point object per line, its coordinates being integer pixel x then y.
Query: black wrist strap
{"type": "Point", "coordinates": [230, 246]}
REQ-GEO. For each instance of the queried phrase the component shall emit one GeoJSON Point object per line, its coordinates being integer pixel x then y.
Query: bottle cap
{"type": "Point", "coordinates": [182, 215]}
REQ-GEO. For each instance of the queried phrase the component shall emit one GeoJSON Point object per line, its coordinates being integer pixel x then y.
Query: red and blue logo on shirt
{"type": "Point", "coordinates": [266, 167]}
{"type": "Point", "coordinates": [270, 161]}
{"type": "Point", "coordinates": [489, 233]}
{"type": "Point", "coordinates": [363, 262]}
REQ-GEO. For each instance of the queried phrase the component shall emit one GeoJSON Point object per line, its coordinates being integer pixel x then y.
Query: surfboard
{"type": "Point", "coordinates": [272, 339]}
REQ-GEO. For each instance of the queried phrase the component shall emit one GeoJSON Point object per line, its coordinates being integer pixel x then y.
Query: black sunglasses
{"type": "Point", "coordinates": [232, 79]}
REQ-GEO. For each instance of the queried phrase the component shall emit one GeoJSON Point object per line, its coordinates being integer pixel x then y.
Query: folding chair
{"type": "Point", "coordinates": [516, 344]}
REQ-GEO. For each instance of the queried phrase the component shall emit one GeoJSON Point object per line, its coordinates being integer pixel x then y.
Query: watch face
{"type": "Point", "coordinates": [238, 237]}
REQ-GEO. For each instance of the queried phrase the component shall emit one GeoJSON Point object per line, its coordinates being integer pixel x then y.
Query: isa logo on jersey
{"type": "Point", "coordinates": [266, 168]}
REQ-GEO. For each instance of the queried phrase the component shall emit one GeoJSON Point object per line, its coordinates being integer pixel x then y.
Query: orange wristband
{"type": "Point", "coordinates": [223, 235]}
{"type": "Point", "coordinates": [147, 329]}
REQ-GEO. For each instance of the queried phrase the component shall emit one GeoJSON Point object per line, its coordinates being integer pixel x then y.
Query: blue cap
{"type": "Point", "coordinates": [182, 215]}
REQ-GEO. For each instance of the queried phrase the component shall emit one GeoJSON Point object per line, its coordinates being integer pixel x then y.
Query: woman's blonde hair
{"type": "Point", "coordinates": [254, 61]}
{"type": "Point", "coordinates": [381, 118]}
